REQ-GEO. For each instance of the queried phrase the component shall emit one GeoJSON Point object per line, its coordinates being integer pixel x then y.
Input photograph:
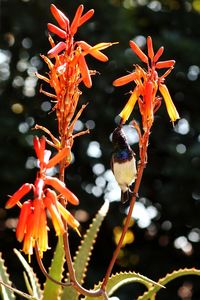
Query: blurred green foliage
{"type": "Point", "coordinates": [167, 232]}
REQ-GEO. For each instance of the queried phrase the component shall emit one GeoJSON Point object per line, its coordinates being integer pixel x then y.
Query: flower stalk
{"type": "Point", "coordinates": [145, 93]}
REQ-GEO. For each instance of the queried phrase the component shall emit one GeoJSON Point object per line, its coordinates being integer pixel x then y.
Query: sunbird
{"type": "Point", "coordinates": [123, 163]}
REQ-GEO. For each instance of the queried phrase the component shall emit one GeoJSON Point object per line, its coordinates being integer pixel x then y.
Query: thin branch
{"type": "Point", "coordinates": [75, 284]}
{"type": "Point", "coordinates": [56, 142]}
{"type": "Point", "coordinates": [42, 268]}
{"type": "Point", "coordinates": [83, 132]}
{"type": "Point", "coordinates": [141, 167]}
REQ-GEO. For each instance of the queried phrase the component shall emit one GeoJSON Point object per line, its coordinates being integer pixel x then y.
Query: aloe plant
{"type": "Point", "coordinates": [68, 69]}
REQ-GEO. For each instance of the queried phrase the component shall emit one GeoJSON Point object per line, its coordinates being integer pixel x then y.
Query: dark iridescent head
{"type": "Point", "coordinates": [119, 139]}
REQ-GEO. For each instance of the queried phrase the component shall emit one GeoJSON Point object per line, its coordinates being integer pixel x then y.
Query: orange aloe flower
{"type": "Point", "coordinates": [148, 83]}
{"type": "Point", "coordinates": [67, 65]}
{"type": "Point", "coordinates": [32, 223]}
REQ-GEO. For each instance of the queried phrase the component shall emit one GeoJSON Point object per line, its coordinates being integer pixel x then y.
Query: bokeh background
{"type": "Point", "coordinates": [165, 234]}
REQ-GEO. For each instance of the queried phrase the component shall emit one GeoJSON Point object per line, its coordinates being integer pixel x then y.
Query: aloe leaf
{"type": "Point", "coordinates": [7, 294]}
{"type": "Point", "coordinates": [52, 290]}
{"type": "Point", "coordinates": [10, 288]}
{"type": "Point", "coordinates": [34, 282]}
{"type": "Point", "coordinates": [119, 279]}
{"type": "Point", "coordinates": [28, 286]}
{"type": "Point", "coordinates": [83, 254]}
{"type": "Point", "coordinates": [169, 277]}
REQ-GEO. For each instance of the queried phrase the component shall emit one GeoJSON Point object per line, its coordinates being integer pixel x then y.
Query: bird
{"type": "Point", "coordinates": [123, 163]}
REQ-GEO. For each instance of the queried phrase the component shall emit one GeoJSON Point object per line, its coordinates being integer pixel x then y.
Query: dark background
{"type": "Point", "coordinates": [166, 232]}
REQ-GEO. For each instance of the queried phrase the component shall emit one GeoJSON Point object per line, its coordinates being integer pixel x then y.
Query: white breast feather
{"type": "Point", "coordinates": [125, 174]}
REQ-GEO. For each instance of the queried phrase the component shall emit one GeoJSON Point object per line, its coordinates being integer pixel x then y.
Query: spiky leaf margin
{"type": "Point", "coordinates": [52, 290]}
{"type": "Point", "coordinates": [6, 294]}
{"type": "Point", "coordinates": [16, 291]}
{"type": "Point", "coordinates": [83, 254]}
{"type": "Point", "coordinates": [119, 279]}
{"type": "Point", "coordinates": [33, 282]}
{"type": "Point", "coordinates": [169, 277]}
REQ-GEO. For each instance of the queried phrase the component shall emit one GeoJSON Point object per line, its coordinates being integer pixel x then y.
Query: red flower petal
{"type": "Point", "coordinates": [61, 188]}
{"type": "Point", "coordinates": [21, 192]}
{"type": "Point", "coordinates": [125, 79]}
{"type": "Point", "coordinates": [138, 52]}
{"type": "Point", "coordinates": [39, 147]}
{"type": "Point", "coordinates": [150, 48]}
{"type": "Point", "coordinates": [84, 71]}
{"type": "Point", "coordinates": [58, 16]}
{"type": "Point", "coordinates": [55, 215]}
{"type": "Point", "coordinates": [38, 207]}
{"type": "Point", "coordinates": [57, 49]}
{"type": "Point", "coordinates": [158, 54]}
{"type": "Point", "coordinates": [43, 235]}
{"type": "Point", "coordinates": [92, 51]}
{"type": "Point", "coordinates": [76, 20]}
{"type": "Point", "coordinates": [25, 212]}
{"type": "Point", "coordinates": [56, 30]}
{"type": "Point", "coordinates": [165, 64]}
{"type": "Point", "coordinates": [86, 17]}
{"type": "Point", "coordinates": [58, 157]}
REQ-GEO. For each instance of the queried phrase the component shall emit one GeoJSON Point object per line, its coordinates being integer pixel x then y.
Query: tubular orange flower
{"type": "Point", "coordinates": [57, 49]}
{"type": "Point", "coordinates": [138, 52]}
{"type": "Point", "coordinates": [125, 113]}
{"type": "Point", "coordinates": [57, 210]}
{"type": "Point", "coordinates": [61, 188]}
{"type": "Point", "coordinates": [125, 79]}
{"type": "Point", "coordinates": [43, 235]}
{"type": "Point", "coordinates": [65, 152]}
{"type": "Point", "coordinates": [28, 241]}
{"type": "Point", "coordinates": [25, 213]}
{"type": "Point", "coordinates": [32, 224]}
{"type": "Point", "coordinates": [148, 83]}
{"type": "Point", "coordinates": [55, 216]}
{"type": "Point", "coordinates": [68, 217]}
{"type": "Point", "coordinates": [76, 20]}
{"type": "Point", "coordinates": [84, 71]}
{"type": "Point", "coordinates": [56, 30]}
{"type": "Point", "coordinates": [86, 17]}
{"type": "Point", "coordinates": [18, 195]}
{"type": "Point", "coordinates": [59, 17]}
{"type": "Point", "coordinates": [171, 109]}
{"type": "Point", "coordinates": [38, 206]}
{"type": "Point", "coordinates": [93, 51]}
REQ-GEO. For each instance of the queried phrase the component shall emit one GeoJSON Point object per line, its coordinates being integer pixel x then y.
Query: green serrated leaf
{"type": "Point", "coordinates": [169, 277]}
{"type": "Point", "coordinates": [122, 278]}
{"type": "Point", "coordinates": [28, 286]}
{"type": "Point", "coordinates": [52, 291]}
{"type": "Point", "coordinates": [34, 282]}
{"type": "Point", "coordinates": [6, 294]}
{"type": "Point", "coordinates": [84, 252]}
{"type": "Point", "coordinates": [10, 288]}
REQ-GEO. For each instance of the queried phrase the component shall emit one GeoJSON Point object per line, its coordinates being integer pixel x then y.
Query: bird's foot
{"type": "Point", "coordinates": [133, 194]}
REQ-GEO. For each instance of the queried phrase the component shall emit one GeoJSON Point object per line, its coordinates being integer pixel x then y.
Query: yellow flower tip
{"type": "Point", "coordinates": [128, 108]}
{"type": "Point", "coordinates": [171, 109]}
{"type": "Point", "coordinates": [29, 258]}
{"type": "Point", "coordinates": [114, 43]}
{"type": "Point", "coordinates": [76, 229]}
{"type": "Point", "coordinates": [122, 121]}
